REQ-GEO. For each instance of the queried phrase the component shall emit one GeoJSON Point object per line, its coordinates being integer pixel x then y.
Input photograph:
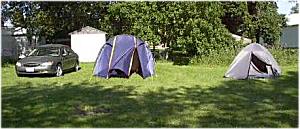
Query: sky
{"type": "Point", "coordinates": [284, 6]}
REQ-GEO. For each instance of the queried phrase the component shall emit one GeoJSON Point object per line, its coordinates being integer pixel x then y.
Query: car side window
{"type": "Point", "coordinates": [65, 52]}
{"type": "Point", "coordinates": [69, 51]}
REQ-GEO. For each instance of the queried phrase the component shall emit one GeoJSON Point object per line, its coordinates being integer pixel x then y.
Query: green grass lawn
{"type": "Point", "coordinates": [178, 96]}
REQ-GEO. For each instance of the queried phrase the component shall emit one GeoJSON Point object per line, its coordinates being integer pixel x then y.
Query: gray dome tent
{"type": "Point", "coordinates": [253, 61]}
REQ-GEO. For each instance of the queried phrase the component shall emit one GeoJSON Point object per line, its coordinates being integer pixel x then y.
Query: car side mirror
{"type": "Point", "coordinates": [22, 56]}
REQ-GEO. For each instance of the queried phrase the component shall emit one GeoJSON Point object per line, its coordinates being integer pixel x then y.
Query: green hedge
{"type": "Point", "coordinates": [5, 61]}
{"type": "Point", "coordinates": [285, 56]}
{"type": "Point", "coordinates": [225, 57]}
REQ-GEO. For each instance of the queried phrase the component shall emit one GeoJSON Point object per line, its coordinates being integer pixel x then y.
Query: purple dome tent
{"type": "Point", "coordinates": [123, 55]}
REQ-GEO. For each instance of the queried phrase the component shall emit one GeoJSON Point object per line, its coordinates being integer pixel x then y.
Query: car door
{"type": "Point", "coordinates": [67, 60]}
{"type": "Point", "coordinates": [73, 57]}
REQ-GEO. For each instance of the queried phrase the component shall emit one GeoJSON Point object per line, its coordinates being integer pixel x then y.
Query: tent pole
{"type": "Point", "coordinates": [111, 55]}
{"type": "Point", "coordinates": [249, 65]}
{"type": "Point", "coordinates": [131, 60]}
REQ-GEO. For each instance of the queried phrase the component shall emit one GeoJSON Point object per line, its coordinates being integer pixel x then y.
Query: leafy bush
{"type": "Point", "coordinates": [206, 39]}
{"type": "Point", "coordinates": [160, 54]}
{"type": "Point", "coordinates": [225, 57]}
{"type": "Point", "coordinates": [285, 56]}
{"type": "Point", "coordinates": [7, 61]}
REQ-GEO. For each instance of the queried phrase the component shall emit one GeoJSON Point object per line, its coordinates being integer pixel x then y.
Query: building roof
{"type": "Point", "coordinates": [19, 31]}
{"type": "Point", "coordinates": [87, 30]}
{"type": "Point", "coordinates": [238, 38]}
{"type": "Point", "coordinates": [293, 19]}
{"type": "Point", "coordinates": [12, 31]}
{"type": "Point", "coordinates": [53, 45]}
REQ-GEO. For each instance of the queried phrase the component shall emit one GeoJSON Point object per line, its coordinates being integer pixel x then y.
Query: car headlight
{"type": "Point", "coordinates": [47, 63]}
{"type": "Point", "coordinates": [18, 64]}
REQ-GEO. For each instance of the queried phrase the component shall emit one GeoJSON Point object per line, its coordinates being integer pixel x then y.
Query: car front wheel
{"type": "Point", "coordinates": [19, 75]}
{"type": "Point", "coordinates": [59, 71]}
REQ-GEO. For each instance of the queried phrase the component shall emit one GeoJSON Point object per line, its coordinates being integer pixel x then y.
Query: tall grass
{"type": "Point", "coordinates": [282, 56]}
{"type": "Point", "coordinates": [222, 58]}
{"type": "Point", "coordinates": [285, 56]}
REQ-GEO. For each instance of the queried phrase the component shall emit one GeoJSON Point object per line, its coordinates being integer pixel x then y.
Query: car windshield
{"type": "Point", "coordinates": [49, 51]}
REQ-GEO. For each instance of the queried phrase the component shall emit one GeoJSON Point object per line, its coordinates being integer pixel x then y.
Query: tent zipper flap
{"type": "Point", "coordinates": [273, 72]}
{"type": "Point", "coordinates": [111, 56]}
{"type": "Point", "coordinates": [249, 66]}
{"type": "Point", "coordinates": [131, 60]}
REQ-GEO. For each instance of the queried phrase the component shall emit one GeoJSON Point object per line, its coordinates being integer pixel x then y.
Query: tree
{"type": "Point", "coordinates": [196, 28]}
{"type": "Point", "coordinates": [69, 16]}
{"type": "Point", "coordinates": [174, 24]}
{"type": "Point", "coordinates": [53, 19]}
{"type": "Point", "coordinates": [234, 16]}
{"type": "Point", "coordinates": [269, 23]}
{"type": "Point", "coordinates": [253, 20]}
{"type": "Point", "coordinates": [22, 14]}
{"type": "Point", "coordinates": [5, 12]}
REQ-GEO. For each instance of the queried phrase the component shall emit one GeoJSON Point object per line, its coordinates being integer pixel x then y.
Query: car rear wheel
{"type": "Point", "coordinates": [59, 71]}
{"type": "Point", "coordinates": [76, 67]}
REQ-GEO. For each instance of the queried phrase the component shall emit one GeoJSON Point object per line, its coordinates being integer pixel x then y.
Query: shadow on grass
{"type": "Point", "coordinates": [65, 72]}
{"type": "Point", "coordinates": [235, 103]}
{"type": "Point", "coordinates": [250, 103]}
{"type": "Point", "coordinates": [25, 105]}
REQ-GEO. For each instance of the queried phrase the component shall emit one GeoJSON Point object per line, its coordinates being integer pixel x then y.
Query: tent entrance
{"type": "Point", "coordinates": [258, 65]}
{"type": "Point", "coordinates": [117, 73]}
{"type": "Point", "coordinates": [259, 68]}
{"type": "Point", "coordinates": [135, 65]}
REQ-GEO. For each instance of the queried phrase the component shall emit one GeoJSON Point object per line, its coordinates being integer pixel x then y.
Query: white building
{"type": "Point", "coordinates": [239, 38]}
{"type": "Point", "coordinates": [87, 43]}
{"type": "Point", "coordinates": [14, 42]}
{"type": "Point", "coordinates": [290, 34]}
{"type": "Point", "coordinates": [9, 46]}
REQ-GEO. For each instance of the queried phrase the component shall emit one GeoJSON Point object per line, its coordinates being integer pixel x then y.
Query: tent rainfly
{"type": "Point", "coordinates": [253, 61]}
{"type": "Point", "coordinates": [123, 55]}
